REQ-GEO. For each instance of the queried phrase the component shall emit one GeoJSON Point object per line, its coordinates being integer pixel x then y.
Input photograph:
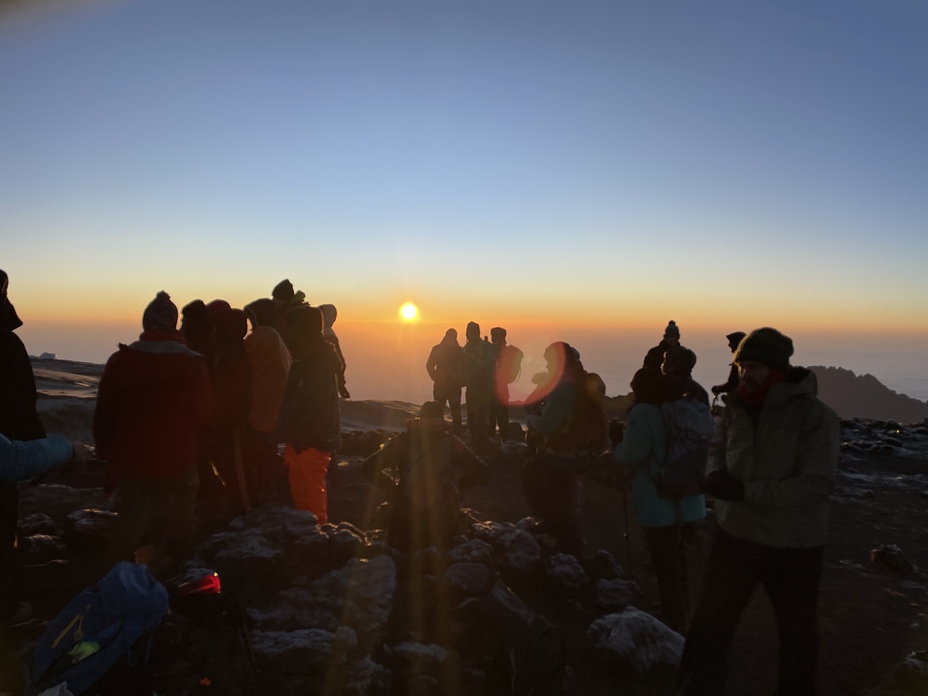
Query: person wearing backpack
{"type": "Point", "coordinates": [309, 418]}
{"type": "Point", "coordinates": [670, 523]}
{"type": "Point", "coordinates": [569, 427]}
{"type": "Point", "coordinates": [154, 407]}
{"type": "Point", "coordinates": [771, 475]}
{"type": "Point", "coordinates": [429, 465]}
{"type": "Point", "coordinates": [478, 370]}
{"type": "Point", "coordinates": [508, 369]}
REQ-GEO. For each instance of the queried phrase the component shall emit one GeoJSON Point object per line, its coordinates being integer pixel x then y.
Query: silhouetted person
{"type": "Point", "coordinates": [572, 427]}
{"type": "Point", "coordinates": [771, 475]}
{"type": "Point", "coordinates": [669, 525]}
{"type": "Point", "coordinates": [285, 299]}
{"type": "Point", "coordinates": [269, 361]}
{"type": "Point", "coordinates": [478, 372]}
{"type": "Point", "coordinates": [231, 379]}
{"type": "Point", "coordinates": [329, 314]}
{"type": "Point", "coordinates": [655, 356]}
{"type": "Point", "coordinates": [508, 367]}
{"type": "Point", "coordinates": [429, 464]}
{"type": "Point", "coordinates": [309, 421]}
{"type": "Point", "coordinates": [732, 383]}
{"type": "Point", "coordinates": [197, 329]}
{"type": "Point", "coordinates": [154, 404]}
{"type": "Point", "coordinates": [678, 366]}
{"type": "Point", "coordinates": [444, 367]}
{"type": "Point", "coordinates": [19, 420]}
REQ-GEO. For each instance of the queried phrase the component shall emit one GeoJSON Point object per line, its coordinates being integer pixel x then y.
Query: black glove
{"type": "Point", "coordinates": [723, 486]}
{"type": "Point", "coordinates": [718, 389]}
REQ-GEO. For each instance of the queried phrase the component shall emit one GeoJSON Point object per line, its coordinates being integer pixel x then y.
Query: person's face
{"type": "Point", "coordinates": [753, 375]}
{"type": "Point", "coordinates": [672, 340]}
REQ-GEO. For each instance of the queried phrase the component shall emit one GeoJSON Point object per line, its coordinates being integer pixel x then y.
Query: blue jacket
{"type": "Point", "coordinates": [643, 450]}
{"type": "Point", "coordinates": [20, 460]}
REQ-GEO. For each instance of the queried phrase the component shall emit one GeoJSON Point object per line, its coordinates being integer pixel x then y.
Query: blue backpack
{"type": "Point", "coordinates": [97, 627]}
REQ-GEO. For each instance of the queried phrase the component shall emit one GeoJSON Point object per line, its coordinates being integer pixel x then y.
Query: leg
{"type": "Point", "coordinates": [729, 583]}
{"type": "Point", "coordinates": [668, 557]}
{"type": "Point", "coordinates": [180, 525]}
{"type": "Point", "coordinates": [792, 582]}
{"type": "Point", "coordinates": [9, 553]}
{"type": "Point", "coordinates": [454, 403]}
{"type": "Point", "coordinates": [137, 503]}
{"type": "Point", "coordinates": [307, 479]}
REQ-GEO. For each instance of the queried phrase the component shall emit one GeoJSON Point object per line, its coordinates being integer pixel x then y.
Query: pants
{"type": "Point", "coordinates": [551, 489]}
{"type": "Point", "coordinates": [791, 579]}
{"type": "Point", "coordinates": [307, 470]}
{"type": "Point", "coordinates": [669, 549]}
{"type": "Point", "coordinates": [9, 552]}
{"type": "Point", "coordinates": [499, 416]}
{"type": "Point", "coordinates": [452, 395]}
{"type": "Point", "coordinates": [478, 416]}
{"type": "Point", "coordinates": [142, 504]}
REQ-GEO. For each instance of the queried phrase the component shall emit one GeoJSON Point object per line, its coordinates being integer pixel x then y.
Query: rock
{"type": "Point", "coordinates": [304, 651]}
{"type": "Point", "coordinates": [566, 576]}
{"type": "Point", "coordinates": [891, 556]}
{"type": "Point", "coordinates": [472, 551]}
{"type": "Point", "coordinates": [88, 530]}
{"type": "Point", "coordinates": [37, 523]}
{"type": "Point", "coordinates": [635, 640]}
{"type": "Point", "coordinates": [615, 595]}
{"type": "Point", "coordinates": [600, 564]}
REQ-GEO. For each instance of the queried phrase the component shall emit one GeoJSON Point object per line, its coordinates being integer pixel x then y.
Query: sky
{"type": "Point", "coordinates": [560, 168]}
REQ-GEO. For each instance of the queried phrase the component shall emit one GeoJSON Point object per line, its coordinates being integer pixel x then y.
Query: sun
{"type": "Point", "coordinates": [409, 312]}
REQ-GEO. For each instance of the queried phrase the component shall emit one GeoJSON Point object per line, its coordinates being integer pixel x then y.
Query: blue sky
{"type": "Point", "coordinates": [724, 163]}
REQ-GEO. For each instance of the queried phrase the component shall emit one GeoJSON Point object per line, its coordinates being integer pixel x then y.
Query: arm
{"type": "Point", "coordinates": [22, 460]}
{"type": "Point", "coordinates": [555, 411]}
{"type": "Point", "coordinates": [817, 459]}
{"type": "Point", "coordinates": [106, 411]}
{"type": "Point", "coordinates": [431, 364]}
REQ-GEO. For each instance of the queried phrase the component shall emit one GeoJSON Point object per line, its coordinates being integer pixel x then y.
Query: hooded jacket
{"type": "Point", "coordinates": [309, 411]}
{"type": "Point", "coordinates": [154, 403]}
{"type": "Point", "coordinates": [444, 363]}
{"type": "Point", "coordinates": [787, 462]}
{"type": "Point", "coordinates": [270, 366]}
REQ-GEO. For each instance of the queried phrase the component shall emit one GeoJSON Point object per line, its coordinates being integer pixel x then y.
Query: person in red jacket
{"type": "Point", "coordinates": [154, 404]}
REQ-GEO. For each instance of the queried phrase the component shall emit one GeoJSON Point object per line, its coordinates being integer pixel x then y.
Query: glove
{"type": "Point", "coordinates": [723, 486]}
{"type": "Point", "coordinates": [718, 389]}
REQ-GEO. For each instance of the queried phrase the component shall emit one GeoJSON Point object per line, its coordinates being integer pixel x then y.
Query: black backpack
{"type": "Point", "coordinates": [690, 429]}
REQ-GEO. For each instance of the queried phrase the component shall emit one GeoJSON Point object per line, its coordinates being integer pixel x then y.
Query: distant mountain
{"type": "Point", "coordinates": [864, 396]}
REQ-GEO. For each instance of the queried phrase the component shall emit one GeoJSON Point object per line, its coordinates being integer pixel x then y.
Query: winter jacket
{"type": "Point", "coordinates": [22, 460]}
{"type": "Point", "coordinates": [231, 372]}
{"type": "Point", "coordinates": [269, 361]}
{"type": "Point", "coordinates": [154, 404]}
{"type": "Point", "coordinates": [787, 462]}
{"type": "Point", "coordinates": [18, 417]}
{"type": "Point", "coordinates": [478, 368]}
{"type": "Point", "coordinates": [445, 363]}
{"type": "Point", "coordinates": [655, 356]}
{"type": "Point", "coordinates": [309, 411]}
{"type": "Point", "coordinates": [643, 449]}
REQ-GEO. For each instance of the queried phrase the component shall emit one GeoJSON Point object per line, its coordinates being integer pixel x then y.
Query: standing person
{"type": "Point", "coordinates": [670, 525]}
{"type": "Point", "coordinates": [231, 433]}
{"type": "Point", "coordinates": [154, 405]}
{"type": "Point", "coordinates": [197, 329]}
{"type": "Point", "coordinates": [731, 384]}
{"type": "Point", "coordinates": [19, 420]}
{"type": "Point", "coordinates": [444, 367]}
{"type": "Point", "coordinates": [309, 422]}
{"type": "Point", "coordinates": [478, 371]}
{"type": "Point", "coordinates": [508, 367]}
{"type": "Point", "coordinates": [285, 299]}
{"type": "Point", "coordinates": [771, 476]}
{"type": "Point", "coordinates": [571, 425]}
{"type": "Point", "coordinates": [329, 314]}
{"type": "Point", "coordinates": [678, 366]}
{"type": "Point", "coordinates": [671, 339]}
{"type": "Point", "coordinates": [269, 362]}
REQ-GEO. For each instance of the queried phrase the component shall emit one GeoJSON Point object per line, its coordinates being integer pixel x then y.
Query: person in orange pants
{"type": "Point", "coordinates": [307, 470]}
{"type": "Point", "coordinates": [309, 422]}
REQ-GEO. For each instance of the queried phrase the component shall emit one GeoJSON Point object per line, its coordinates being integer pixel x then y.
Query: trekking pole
{"type": "Point", "coordinates": [628, 537]}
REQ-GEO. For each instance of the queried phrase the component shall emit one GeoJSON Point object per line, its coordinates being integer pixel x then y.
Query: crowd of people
{"type": "Point", "coordinates": [191, 413]}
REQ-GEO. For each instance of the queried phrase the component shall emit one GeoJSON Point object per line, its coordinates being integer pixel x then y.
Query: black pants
{"type": "Point", "coordinates": [791, 578]}
{"type": "Point", "coordinates": [478, 417]}
{"type": "Point", "coordinates": [499, 417]}
{"type": "Point", "coordinates": [551, 489]}
{"type": "Point", "coordinates": [9, 556]}
{"type": "Point", "coordinates": [669, 549]}
{"type": "Point", "coordinates": [442, 393]}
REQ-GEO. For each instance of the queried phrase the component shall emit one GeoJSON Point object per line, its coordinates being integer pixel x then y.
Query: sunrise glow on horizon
{"type": "Point", "coordinates": [562, 169]}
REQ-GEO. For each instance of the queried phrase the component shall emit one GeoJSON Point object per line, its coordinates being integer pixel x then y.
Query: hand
{"type": "Point", "coordinates": [723, 486]}
{"type": "Point", "coordinates": [717, 389]}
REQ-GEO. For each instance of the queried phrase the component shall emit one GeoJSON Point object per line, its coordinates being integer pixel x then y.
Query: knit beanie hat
{"type": "Point", "coordinates": [431, 409]}
{"type": "Point", "coordinates": [735, 337]}
{"type": "Point", "coordinates": [672, 329]}
{"type": "Point", "coordinates": [497, 332]}
{"type": "Point", "coordinates": [766, 346]}
{"type": "Point", "coordinates": [262, 312]}
{"type": "Point", "coordinates": [217, 306]}
{"type": "Point", "coordinates": [160, 313]}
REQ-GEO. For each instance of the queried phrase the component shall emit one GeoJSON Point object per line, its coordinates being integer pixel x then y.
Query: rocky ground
{"type": "Point", "coordinates": [329, 610]}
